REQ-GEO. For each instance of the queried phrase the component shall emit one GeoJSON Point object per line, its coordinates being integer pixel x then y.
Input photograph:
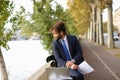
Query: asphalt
{"type": "Point", "coordinates": [105, 64]}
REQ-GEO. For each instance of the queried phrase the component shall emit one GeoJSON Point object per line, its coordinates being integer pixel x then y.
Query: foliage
{"type": "Point", "coordinates": [44, 17]}
{"type": "Point", "coordinates": [6, 9]}
{"type": "Point", "coordinates": [80, 11]}
{"type": "Point", "coordinates": [26, 27]}
{"type": "Point", "coordinates": [105, 27]}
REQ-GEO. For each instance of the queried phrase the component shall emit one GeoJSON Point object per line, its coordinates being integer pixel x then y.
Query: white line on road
{"type": "Point", "coordinates": [114, 75]}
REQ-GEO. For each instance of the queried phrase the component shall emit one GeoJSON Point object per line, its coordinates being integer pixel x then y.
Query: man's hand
{"type": "Point", "coordinates": [74, 66]}
{"type": "Point", "coordinates": [69, 64]}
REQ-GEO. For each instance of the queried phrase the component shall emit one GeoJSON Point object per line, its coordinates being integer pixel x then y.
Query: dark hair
{"type": "Point", "coordinates": [59, 26]}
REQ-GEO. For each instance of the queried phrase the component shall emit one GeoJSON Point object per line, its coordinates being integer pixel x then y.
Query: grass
{"type": "Point", "coordinates": [117, 54]}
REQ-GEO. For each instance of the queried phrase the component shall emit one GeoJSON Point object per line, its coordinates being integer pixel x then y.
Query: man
{"type": "Point", "coordinates": [67, 50]}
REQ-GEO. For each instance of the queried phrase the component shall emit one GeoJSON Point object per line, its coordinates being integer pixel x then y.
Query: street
{"type": "Point", "coordinates": [107, 66]}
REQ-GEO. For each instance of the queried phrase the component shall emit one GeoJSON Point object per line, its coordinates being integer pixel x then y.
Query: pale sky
{"type": "Point", "coordinates": [116, 4]}
{"type": "Point", "coordinates": [29, 5]}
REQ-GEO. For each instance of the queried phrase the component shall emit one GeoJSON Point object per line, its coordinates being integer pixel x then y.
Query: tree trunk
{"type": "Point", "coordinates": [91, 30]}
{"type": "Point", "coordinates": [101, 40]}
{"type": "Point", "coordinates": [97, 28]}
{"type": "Point", "coordinates": [88, 33]}
{"type": "Point", "coordinates": [94, 21]}
{"type": "Point", "coordinates": [110, 27]}
{"type": "Point", "coordinates": [3, 70]}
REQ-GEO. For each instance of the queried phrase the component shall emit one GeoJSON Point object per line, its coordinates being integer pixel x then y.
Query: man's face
{"type": "Point", "coordinates": [57, 35]}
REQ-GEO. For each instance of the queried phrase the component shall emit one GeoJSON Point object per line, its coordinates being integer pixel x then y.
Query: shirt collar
{"type": "Point", "coordinates": [65, 38]}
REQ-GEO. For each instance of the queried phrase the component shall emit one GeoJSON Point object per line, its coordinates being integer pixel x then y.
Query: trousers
{"type": "Point", "coordinates": [76, 75]}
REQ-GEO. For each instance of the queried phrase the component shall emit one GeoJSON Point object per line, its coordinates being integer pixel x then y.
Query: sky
{"type": "Point", "coordinates": [29, 6]}
{"type": "Point", "coordinates": [116, 5]}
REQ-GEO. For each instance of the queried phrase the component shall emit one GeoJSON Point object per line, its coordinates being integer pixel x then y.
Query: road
{"type": "Point", "coordinates": [107, 66]}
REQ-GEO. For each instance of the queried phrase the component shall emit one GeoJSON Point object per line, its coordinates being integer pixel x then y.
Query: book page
{"type": "Point", "coordinates": [85, 68]}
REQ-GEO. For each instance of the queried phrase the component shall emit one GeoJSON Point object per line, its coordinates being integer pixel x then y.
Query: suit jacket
{"type": "Point", "coordinates": [74, 48]}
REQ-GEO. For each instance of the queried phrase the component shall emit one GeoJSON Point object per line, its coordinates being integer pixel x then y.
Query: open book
{"type": "Point", "coordinates": [85, 68]}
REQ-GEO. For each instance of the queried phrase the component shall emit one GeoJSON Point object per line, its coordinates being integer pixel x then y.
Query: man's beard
{"type": "Point", "coordinates": [59, 37]}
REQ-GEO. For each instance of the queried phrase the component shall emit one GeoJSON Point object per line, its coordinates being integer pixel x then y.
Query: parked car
{"type": "Point", "coordinates": [115, 36]}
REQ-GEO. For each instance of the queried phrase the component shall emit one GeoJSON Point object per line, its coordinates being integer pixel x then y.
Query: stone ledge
{"type": "Point", "coordinates": [40, 74]}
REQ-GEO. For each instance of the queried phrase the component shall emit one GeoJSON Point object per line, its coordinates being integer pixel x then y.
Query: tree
{"type": "Point", "coordinates": [100, 7]}
{"type": "Point", "coordinates": [96, 23]}
{"type": "Point", "coordinates": [6, 9]}
{"type": "Point", "coordinates": [105, 27]}
{"type": "Point", "coordinates": [93, 6]}
{"type": "Point", "coordinates": [44, 16]}
{"type": "Point", "coordinates": [110, 24]}
{"type": "Point", "coordinates": [80, 11]}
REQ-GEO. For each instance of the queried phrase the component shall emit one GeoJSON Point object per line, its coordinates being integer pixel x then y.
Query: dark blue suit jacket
{"type": "Point", "coordinates": [74, 47]}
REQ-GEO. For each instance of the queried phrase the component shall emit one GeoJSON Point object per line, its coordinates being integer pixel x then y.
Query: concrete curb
{"type": "Point", "coordinates": [40, 74]}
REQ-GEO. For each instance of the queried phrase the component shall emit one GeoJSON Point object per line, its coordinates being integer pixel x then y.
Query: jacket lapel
{"type": "Point", "coordinates": [61, 49]}
{"type": "Point", "coordinates": [69, 45]}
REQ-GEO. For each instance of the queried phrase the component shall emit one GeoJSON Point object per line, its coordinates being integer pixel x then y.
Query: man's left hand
{"type": "Point", "coordinates": [69, 64]}
{"type": "Point", "coordinates": [74, 66]}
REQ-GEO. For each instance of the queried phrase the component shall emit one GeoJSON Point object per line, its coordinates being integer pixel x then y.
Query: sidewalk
{"type": "Point", "coordinates": [106, 65]}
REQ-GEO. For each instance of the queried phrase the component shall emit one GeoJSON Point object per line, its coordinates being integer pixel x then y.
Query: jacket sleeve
{"type": "Point", "coordinates": [79, 53]}
{"type": "Point", "coordinates": [56, 51]}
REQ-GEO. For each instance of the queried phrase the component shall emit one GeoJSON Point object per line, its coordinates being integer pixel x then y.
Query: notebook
{"type": "Point", "coordinates": [54, 73]}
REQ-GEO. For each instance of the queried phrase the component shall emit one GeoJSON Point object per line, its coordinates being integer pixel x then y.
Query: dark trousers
{"type": "Point", "coordinates": [76, 75]}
